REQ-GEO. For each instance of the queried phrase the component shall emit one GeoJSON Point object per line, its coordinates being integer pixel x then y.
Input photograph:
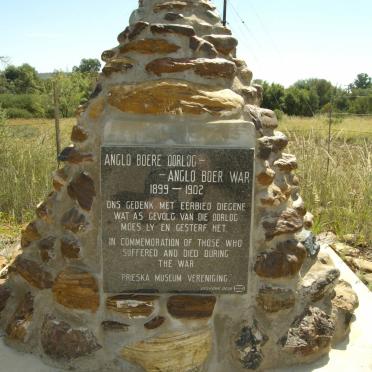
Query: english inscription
{"type": "Point", "coordinates": [176, 219]}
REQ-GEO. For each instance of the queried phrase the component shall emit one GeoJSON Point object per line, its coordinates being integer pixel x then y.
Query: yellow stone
{"type": "Point", "coordinates": [149, 46]}
{"type": "Point", "coordinates": [176, 98]}
{"type": "Point", "coordinates": [178, 351]}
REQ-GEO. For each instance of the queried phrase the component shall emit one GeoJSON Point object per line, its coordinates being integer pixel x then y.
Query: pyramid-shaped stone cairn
{"type": "Point", "coordinates": [175, 60]}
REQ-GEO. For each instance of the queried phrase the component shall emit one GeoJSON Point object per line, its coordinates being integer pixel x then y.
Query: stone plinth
{"type": "Point", "coordinates": [174, 80]}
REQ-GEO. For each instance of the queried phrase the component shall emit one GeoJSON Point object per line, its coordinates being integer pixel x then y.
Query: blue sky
{"type": "Point", "coordinates": [282, 40]}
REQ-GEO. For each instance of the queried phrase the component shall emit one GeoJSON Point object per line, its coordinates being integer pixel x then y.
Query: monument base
{"type": "Point", "coordinates": [352, 354]}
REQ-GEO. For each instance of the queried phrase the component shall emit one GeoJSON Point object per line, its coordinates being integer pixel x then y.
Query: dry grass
{"type": "Point", "coordinates": [341, 199]}
{"type": "Point", "coordinates": [27, 159]}
{"type": "Point", "coordinates": [349, 127]}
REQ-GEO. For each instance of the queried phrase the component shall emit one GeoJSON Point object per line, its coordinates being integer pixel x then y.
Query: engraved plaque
{"type": "Point", "coordinates": [176, 219]}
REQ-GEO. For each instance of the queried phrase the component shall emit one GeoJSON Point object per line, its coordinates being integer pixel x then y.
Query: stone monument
{"type": "Point", "coordinates": [175, 238]}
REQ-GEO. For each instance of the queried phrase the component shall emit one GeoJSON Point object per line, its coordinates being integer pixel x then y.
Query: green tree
{"type": "Point", "coordinates": [360, 101]}
{"type": "Point", "coordinates": [301, 102]}
{"type": "Point", "coordinates": [273, 96]}
{"type": "Point", "coordinates": [21, 80]}
{"type": "Point", "coordinates": [74, 89]}
{"type": "Point", "coordinates": [362, 81]}
{"type": "Point", "coordinates": [88, 65]}
{"type": "Point", "coordinates": [323, 89]}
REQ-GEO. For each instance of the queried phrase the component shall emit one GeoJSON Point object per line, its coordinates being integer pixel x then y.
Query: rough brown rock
{"type": "Point", "coordinates": [268, 119]}
{"type": "Point", "coordinates": [74, 156]}
{"type": "Point", "coordinates": [299, 205]}
{"type": "Point", "coordinates": [61, 341]}
{"type": "Point", "coordinates": [149, 46]}
{"type": "Point", "coordinates": [289, 221]}
{"type": "Point", "coordinates": [310, 334]}
{"type": "Point", "coordinates": [206, 4]}
{"type": "Point", "coordinates": [169, 65]}
{"type": "Point", "coordinates": [109, 325]}
{"type": "Point", "coordinates": [74, 221]}
{"type": "Point", "coordinates": [4, 296]}
{"type": "Point", "coordinates": [225, 44]}
{"type": "Point", "coordinates": [43, 212]}
{"type": "Point", "coordinates": [32, 272]}
{"type": "Point", "coordinates": [78, 134]}
{"type": "Point", "coordinates": [344, 304]}
{"type": "Point", "coordinates": [319, 281]}
{"type": "Point", "coordinates": [70, 247]}
{"type": "Point", "coordinates": [136, 29]}
{"type": "Point", "coordinates": [341, 249]}
{"type": "Point", "coordinates": [308, 220]}
{"type": "Point", "coordinates": [251, 95]}
{"type": "Point", "coordinates": [285, 261]}
{"type": "Point", "coordinates": [273, 197]}
{"type": "Point", "coordinates": [210, 68]}
{"type": "Point", "coordinates": [82, 189]}
{"type": "Point", "coordinates": [266, 177]}
{"type": "Point", "coordinates": [249, 345]}
{"type": "Point", "coordinates": [173, 16]}
{"type": "Point", "coordinates": [76, 289]}
{"type": "Point", "coordinates": [218, 67]}
{"type": "Point", "coordinates": [107, 55]}
{"type": "Point", "coordinates": [132, 306]}
{"type": "Point", "coordinates": [29, 234]}
{"type": "Point", "coordinates": [244, 73]}
{"type": "Point", "coordinates": [259, 90]}
{"type": "Point", "coordinates": [191, 307]}
{"type": "Point", "coordinates": [345, 298]}
{"type": "Point", "coordinates": [177, 351]}
{"type": "Point", "coordinates": [123, 36]}
{"type": "Point", "coordinates": [155, 323]}
{"type": "Point", "coordinates": [202, 47]}
{"type": "Point", "coordinates": [274, 299]}
{"type": "Point", "coordinates": [171, 5]}
{"type": "Point", "coordinates": [287, 163]}
{"type": "Point", "coordinates": [212, 16]}
{"type": "Point", "coordinates": [118, 65]}
{"type": "Point", "coordinates": [308, 239]}
{"type": "Point", "coordinates": [172, 29]}
{"type": "Point", "coordinates": [19, 324]}
{"type": "Point", "coordinates": [46, 247]}
{"type": "Point", "coordinates": [59, 179]}
{"type": "Point", "coordinates": [359, 264]}
{"type": "Point", "coordinates": [285, 186]}
{"type": "Point", "coordinates": [80, 110]}
{"type": "Point", "coordinates": [269, 144]}
{"type": "Point", "coordinates": [174, 97]}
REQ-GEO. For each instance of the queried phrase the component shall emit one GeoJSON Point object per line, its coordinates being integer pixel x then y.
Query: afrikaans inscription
{"type": "Point", "coordinates": [176, 219]}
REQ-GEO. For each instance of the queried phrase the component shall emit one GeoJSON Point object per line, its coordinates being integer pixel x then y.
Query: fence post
{"type": "Point", "coordinates": [329, 134]}
{"type": "Point", "coordinates": [56, 118]}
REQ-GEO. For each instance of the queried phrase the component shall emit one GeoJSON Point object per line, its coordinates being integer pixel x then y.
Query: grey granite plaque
{"type": "Point", "coordinates": [176, 219]}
